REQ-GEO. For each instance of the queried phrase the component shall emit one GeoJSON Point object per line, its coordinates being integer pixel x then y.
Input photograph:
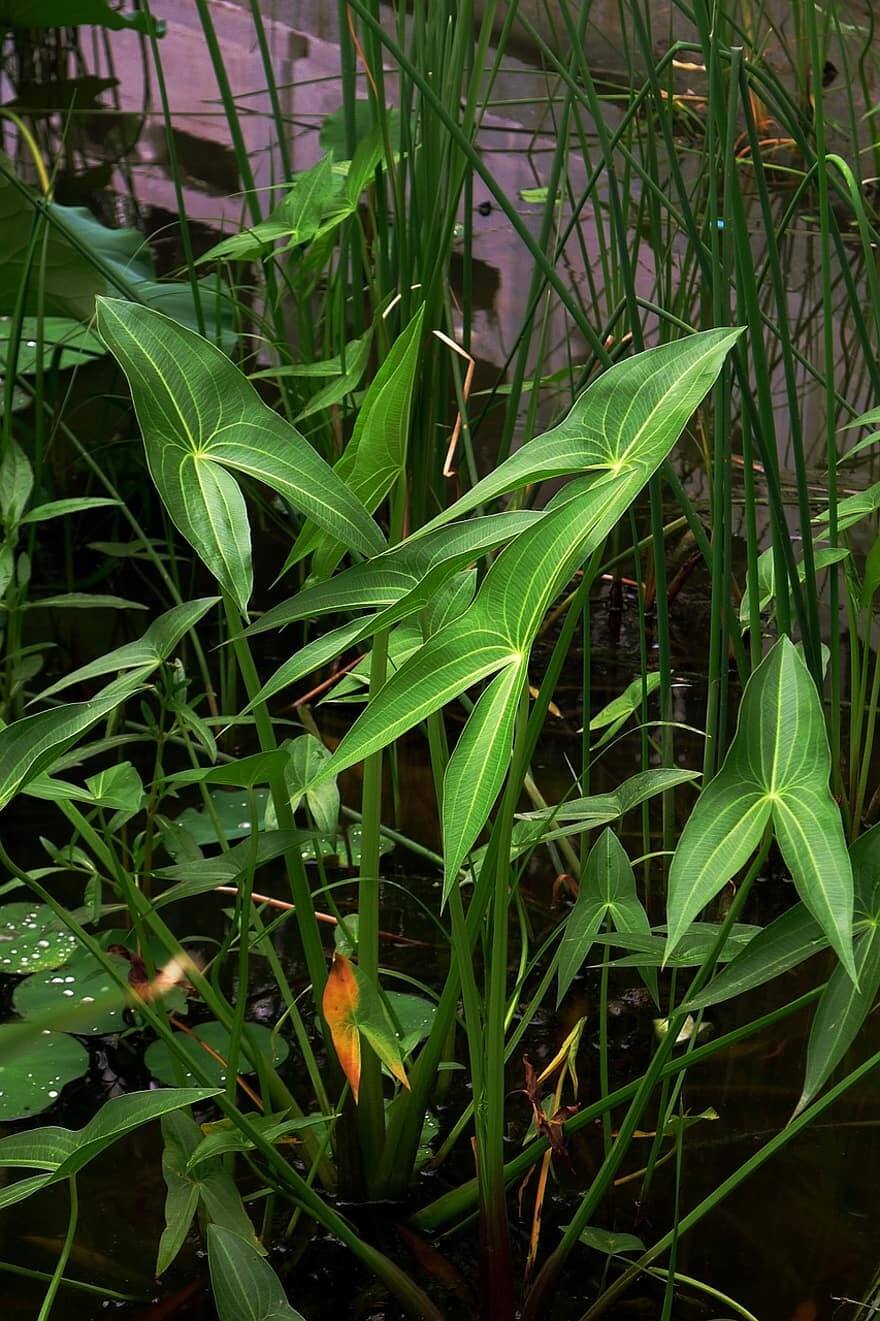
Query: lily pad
{"type": "Point", "coordinates": [232, 811]}
{"type": "Point", "coordinates": [414, 1015]}
{"type": "Point", "coordinates": [31, 1078]}
{"type": "Point", "coordinates": [80, 982]}
{"type": "Point", "coordinates": [163, 1065]}
{"type": "Point", "coordinates": [32, 939]}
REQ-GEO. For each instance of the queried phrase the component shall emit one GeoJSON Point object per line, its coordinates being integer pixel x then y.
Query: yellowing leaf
{"type": "Point", "coordinates": [353, 1009]}
{"type": "Point", "coordinates": [340, 1005]}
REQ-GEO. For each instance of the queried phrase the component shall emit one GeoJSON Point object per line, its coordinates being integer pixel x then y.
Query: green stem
{"type": "Point", "coordinates": [287, 1179]}
{"type": "Point", "coordinates": [301, 893]}
{"type": "Point", "coordinates": [730, 1184]}
{"type": "Point", "coordinates": [371, 1108]}
{"type": "Point", "coordinates": [497, 1264]}
{"type": "Point", "coordinates": [64, 1257]}
{"type": "Point", "coordinates": [459, 1202]}
{"type": "Point", "coordinates": [79, 1286]}
{"type": "Point", "coordinates": [547, 1276]}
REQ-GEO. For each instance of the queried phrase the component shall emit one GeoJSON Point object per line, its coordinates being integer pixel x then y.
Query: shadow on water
{"type": "Point", "coordinates": [803, 1232]}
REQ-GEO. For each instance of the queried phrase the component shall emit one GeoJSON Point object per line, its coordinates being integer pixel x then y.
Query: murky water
{"type": "Point", "coordinates": [800, 1236]}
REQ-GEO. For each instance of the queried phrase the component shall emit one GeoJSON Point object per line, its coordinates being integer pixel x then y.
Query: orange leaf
{"type": "Point", "coordinates": [340, 1003]}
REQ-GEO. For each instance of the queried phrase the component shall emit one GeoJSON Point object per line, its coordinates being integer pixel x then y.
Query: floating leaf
{"type": "Point", "coordinates": [32, 939]}
{"type": "Point", "coordinates": [232, 811]}
{"type": "Point", "coordinates": [81, 982]}
{"type": "Point", "coordinates": [609, 1243]}
{"type": "Point", "coordinates": [66, 343]}
{"type": "Point", "coordinates": [163, 1064]}
{"type": "Point", "coordinates": [413, 1016]}
{"type": "Point", "coordinates": [31, 1081]}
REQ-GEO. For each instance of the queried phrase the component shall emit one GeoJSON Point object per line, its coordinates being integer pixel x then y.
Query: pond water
{"type": "Point", "coordinates": [802, 1236]}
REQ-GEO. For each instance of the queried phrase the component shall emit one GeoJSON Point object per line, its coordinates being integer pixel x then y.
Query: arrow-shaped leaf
{"type": "Point", "coordinates": [202, 420]}
{"type": "Point", "coordinates": [621, 429]}
{"type": "Point", "coordinates": [607, 890]}
{"type": "Point", "coordinates": [776, 770]}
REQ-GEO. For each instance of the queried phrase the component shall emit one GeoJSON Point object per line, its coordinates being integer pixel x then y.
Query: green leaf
{"type": "Point", "coordinates": [61, 1152]}
{"type": "Point", "coordinates": [32, 939]}
{"type": "Point", "coordinates": [607, 890]}
{"type": "Point", "coordinates": [201, 419]}
{"type": "Point", "coordinates": [843, 1008]}
{"type": "Point", "coordinates": [375, 457]}
{"type": "Point", "coordinates": [608, 1243]}
{"type": "Point", "coordinates": [64, 508]}
{"type": "Point", "coordinates": [81, 982]}
{"type": "Point", "coordinates": [622, 426]}
{"type": "Point", "coordinates": [31, 1081]}
{"type": "Point", "coordinates": [332, 135]}
{"type": "Point", "coordinates": [414, 569]}
{"type": "Point", "coordinates": [83, 601]}
{"type": "Point", "coordinates": [31, 745]}
{"type": "Point", "coordinates": [620, 430]}
{"type": "Point", "coordinates": [307, 754]}
{"type": "Point", "coordinates": [164, 1066]}
{"type": "Point", "coordinates": [790, 939]}
{"type": "Point", "coordinates": [243, 773]}
{"type": "Point", "coordinates": [871, 580]}
{"type": "Point", "coordinates": [82, 258]}
{"type": "Point", "coordinates": [212, 1187]}
{"type": "Point", "coordinates": [313, 205]}
{"type": "Point", "coordinates": [245, 1286]}
{"type": "Point", "coordinates": [615, 715]}
{"type": "Point", "coordinates": [599, 809]}
{"type": "Point", "coordinates": [696, 945]}
{"type": "Point", "coordinates": [118, 787]}
{"type": "Point", "coordinates": [155, 646]}
{"type": "Point", "coordinates": [477, 768]}
{"type": "Point", "coordinates": [181, 1194]}
{"type": "Point", "coordinates": [823, 558]}
{"type": "Point", "coordinates": [841, 1011]}
{"type": "Point", "coordinates": [69, 13]}
{"type": "Point", "coordinates": [66, 343]}
{"type": "Point", "coordinates": [197, 876]}
{"type": "Point", "coordinates": [854, 508]}
{"type": "Point", "coordinates": [16, 483]}
{"type": "Point", "coordinates": [776, 770]}
{"type": "Point", "coordinates": [348, 378]}
{"type": "Point", "coordinates": [223, 1138]}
